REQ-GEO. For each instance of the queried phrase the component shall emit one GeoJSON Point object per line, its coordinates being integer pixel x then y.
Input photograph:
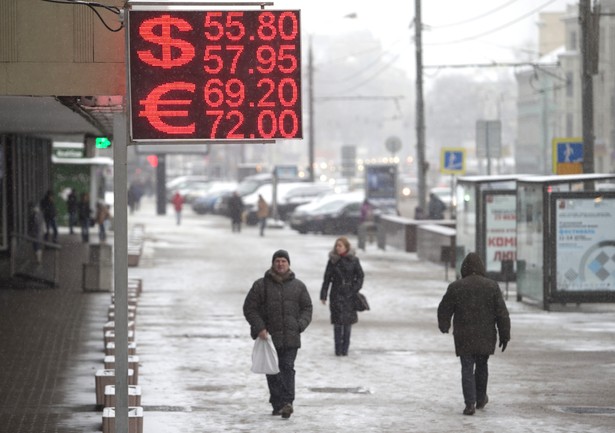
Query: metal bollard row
{"type": "Point", "coordinates": [105, 377]}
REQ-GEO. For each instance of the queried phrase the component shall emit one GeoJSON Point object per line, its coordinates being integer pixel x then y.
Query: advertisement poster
{"type": "Point", "coordinates": [501, 230]}
{"type": "Point", "coordinates": [585, 244]}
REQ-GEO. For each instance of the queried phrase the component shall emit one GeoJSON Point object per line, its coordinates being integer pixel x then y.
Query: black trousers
{"type": "Point", "coordinates": [474, 377]}
{"type": "Point", "coordinates": [341, 336]}
{"type": "Point", "coordinates": [282, 385]}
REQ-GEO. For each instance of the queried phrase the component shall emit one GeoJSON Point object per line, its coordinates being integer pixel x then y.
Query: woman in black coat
{"type": "Point", "coordinates": [345, 276]}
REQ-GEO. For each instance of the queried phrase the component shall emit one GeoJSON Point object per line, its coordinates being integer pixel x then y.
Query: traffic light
{"type": "Point", "coordinates": [102, 143]}
{"type": "Point", "coordinates": [153, 160]}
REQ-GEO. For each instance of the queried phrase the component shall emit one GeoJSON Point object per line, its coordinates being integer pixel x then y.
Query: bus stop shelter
{"type": "Point", "coordinates": [486, 213]}
{"type": "Point", "coordinates": [565, 239]}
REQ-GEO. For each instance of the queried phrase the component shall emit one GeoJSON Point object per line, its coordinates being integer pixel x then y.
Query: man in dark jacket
{"type": "Point", "coordinates": [477, 307]}
{"type": "Point", "coordinates": [279, 304]}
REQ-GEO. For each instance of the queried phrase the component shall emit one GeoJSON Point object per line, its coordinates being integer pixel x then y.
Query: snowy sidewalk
{"type": "Point", "coordinates": [401, 374]}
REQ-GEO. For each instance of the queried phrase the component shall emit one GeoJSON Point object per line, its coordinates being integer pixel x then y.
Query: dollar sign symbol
{"type": "Point", "coordinates": [164, 39]}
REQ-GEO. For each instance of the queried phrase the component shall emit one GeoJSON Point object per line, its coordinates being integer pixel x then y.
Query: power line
{"type": "Point", "coordinates": [497, 29]}
{"type": "Point", "coordinates": [476, 18]}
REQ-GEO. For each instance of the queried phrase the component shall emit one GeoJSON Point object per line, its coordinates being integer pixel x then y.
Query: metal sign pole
{"type": "Point", "coordinates": [120, 267]}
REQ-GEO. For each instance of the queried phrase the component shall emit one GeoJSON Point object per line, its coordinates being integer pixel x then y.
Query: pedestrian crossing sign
{"type": "Point", "coordinates": [567, 155]}
{"type": "Point", "coordinates": [453, 161]}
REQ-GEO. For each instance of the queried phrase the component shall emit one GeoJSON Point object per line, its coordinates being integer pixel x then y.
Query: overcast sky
{"type": "Point", "coordinates": [492, 30]}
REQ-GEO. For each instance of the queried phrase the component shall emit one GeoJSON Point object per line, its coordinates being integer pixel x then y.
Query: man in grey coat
{"type": "Point", "coordinates": [477, 307]}
{"type": "Point", "coordinates": [280, 305]}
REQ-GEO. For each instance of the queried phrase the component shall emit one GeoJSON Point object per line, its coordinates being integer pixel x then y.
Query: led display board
{"type": "Point", "coordinates": [215, 75]}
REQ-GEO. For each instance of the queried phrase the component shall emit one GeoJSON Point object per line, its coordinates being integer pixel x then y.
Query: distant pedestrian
{"type": "Point", "coordinates": [478, 309]}
{"type": "Point", "coordinates": [279, 304]}
{"type": "Point", "coordinates": [85, 216]}
{"type": "Point", "coordinates": [36, 228]}
{"type": "Point", "coordinates": [367, 224]}
{"type": "Point", "coordinates": [178, 203]}
{"type": "Point", "coordinates": [344, 275]}
{"type": "Point", "coordinates": [262, 213]}
{"type": "Point", "coordinates": [72, 206]}
{"type": "Point", "coordinates": [436, 207]}
{"type": "Point", "coordinates": [235, 207]}
{"type": "Point", "coordinates": [131, 198]}
{"type": "Point", "coordinates": [102, 216]}
{"type": "Point", "coordinates": [48, 208]}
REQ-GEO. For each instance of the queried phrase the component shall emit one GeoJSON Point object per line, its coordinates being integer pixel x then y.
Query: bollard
{"type": "Point", "coordinates": [133, 363]}
{"type": "Point", "coordinates": [135, 420]}
{"type": "Point", "coordinates": [104, 378]}
{"type": "Point", "coordinates": [134, 395]}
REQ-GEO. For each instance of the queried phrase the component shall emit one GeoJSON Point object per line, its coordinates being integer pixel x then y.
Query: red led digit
{"type": "Point", "coordinates": [266, 29]}
{"type": "Point", "coordinates": [288, 118]}
{"type": "Point", "coordinates": [287, 60]}
{"type": "Point", "coordinates": [164, 25]}
{"type": "Point", "coordinates": [235, 25]}
{"type": "Point", "coordinates": [269, 86]}
{"type": "Point", "coordinates": [288, 93]}
{"type": "Point", "coordinates": [214, 30]}
{"type": "Point", "coordinates": [266, 120]}
{"type": "Point", "coordinates": [238, 49]}
{"type": "Point", "coordinates": [151, 108]}
{"type": "Point", "coordinates": [235, 91]}
{"type": "Point", "coordinates": [288, 18]}
{"type": "Point", "coordinates": [213, 60]}
{"type": "Point", "coordinates": [213, 94]}
{"type": "Point", "coordinates": [237, 117]}
{"type": "Point", "coordinates": [266, 59]}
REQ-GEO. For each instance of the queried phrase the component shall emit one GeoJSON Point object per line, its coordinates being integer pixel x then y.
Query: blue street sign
{"type": "Point", "coordinates": [569, 151]}
{"type": "Point", "coordinates": [452, 161]}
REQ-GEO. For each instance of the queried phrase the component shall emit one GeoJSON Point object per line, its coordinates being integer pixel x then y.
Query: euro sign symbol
{"type": "Point", "coordinates": [164, 25]}
{"type": "Point", "coordinates": [151, 107]}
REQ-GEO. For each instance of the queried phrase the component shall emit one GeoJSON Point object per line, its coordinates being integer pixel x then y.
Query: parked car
{"type": "Point", "coordinates": [302, 194]}
{"type": "Point", "coordinates": [282, 192]}
{"type": "Point", "coordinates": [333, 213]}
{"type": "Point", "coordinates": [205, 203]}
{"type": "Point", "coordinates": [186, 185]}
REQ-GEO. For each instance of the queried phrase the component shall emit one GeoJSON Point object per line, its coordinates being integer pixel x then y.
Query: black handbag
{"type": "Point", "coordinates": [360, 302]}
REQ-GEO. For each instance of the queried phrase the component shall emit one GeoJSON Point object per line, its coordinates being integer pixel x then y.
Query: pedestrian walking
{"type": "Point", "coordinates": [102, 216]}
{"type": "Point", "coordinates": [279, 304]}
{"type": "Point", "coordinates": [262, 213]}
{"type": "Point", "coordinates": [85, 216]}
{"type": "Point", "coordinates": [478, 310]}
{"type": "Point", "coordinates": [35, 230]}
{"type": "Point", "coordinates": [48, 208]}
{"type": "Point", "coordinates": [367, 224]}
{"type": "Point", "coordinates": [178, 203]}
{"type": "Point", "coordinates": [344, 275]}
{"type": "Point", "coordinates": [235, 207]}
{"type": "Point", "coordinates": [436, 207]}
{"type": "Point", "coordinates": [72, 206]}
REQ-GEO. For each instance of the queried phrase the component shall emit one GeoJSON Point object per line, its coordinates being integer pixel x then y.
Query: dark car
{"type": "Point", "coordinates": [206, 202]}
{"type": "Point", "coordinates": [336, 214]}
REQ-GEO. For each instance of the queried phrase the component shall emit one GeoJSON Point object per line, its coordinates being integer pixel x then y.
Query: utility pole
{"type": "Point", "coordinates": [420, 107]}
{"type": "Point", "coordinates": [311, 138]}
{"type": "Point", "coordinates": [589, 23]}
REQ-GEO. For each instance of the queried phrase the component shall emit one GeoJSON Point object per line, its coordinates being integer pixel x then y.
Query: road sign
{"type": "Point", "coordinates": [567, 155]}
{"type": "Point", "coordinates": [453, 161]}
{"type": "Point", "coordinates": [393, 144]}
{"type": "Point", "coordinates": [489, 138]}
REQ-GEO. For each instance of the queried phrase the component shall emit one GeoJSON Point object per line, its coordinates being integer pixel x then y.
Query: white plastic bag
{"type": "Point", "coordinates": [264, 357]}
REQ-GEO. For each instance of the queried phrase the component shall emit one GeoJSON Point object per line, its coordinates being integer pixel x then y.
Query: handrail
{"type": "Point", "coordinates": [42, 242]}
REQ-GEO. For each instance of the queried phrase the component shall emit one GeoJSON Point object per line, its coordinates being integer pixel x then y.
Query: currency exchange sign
{"type": "Point", "coordinates": [214, 75]}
